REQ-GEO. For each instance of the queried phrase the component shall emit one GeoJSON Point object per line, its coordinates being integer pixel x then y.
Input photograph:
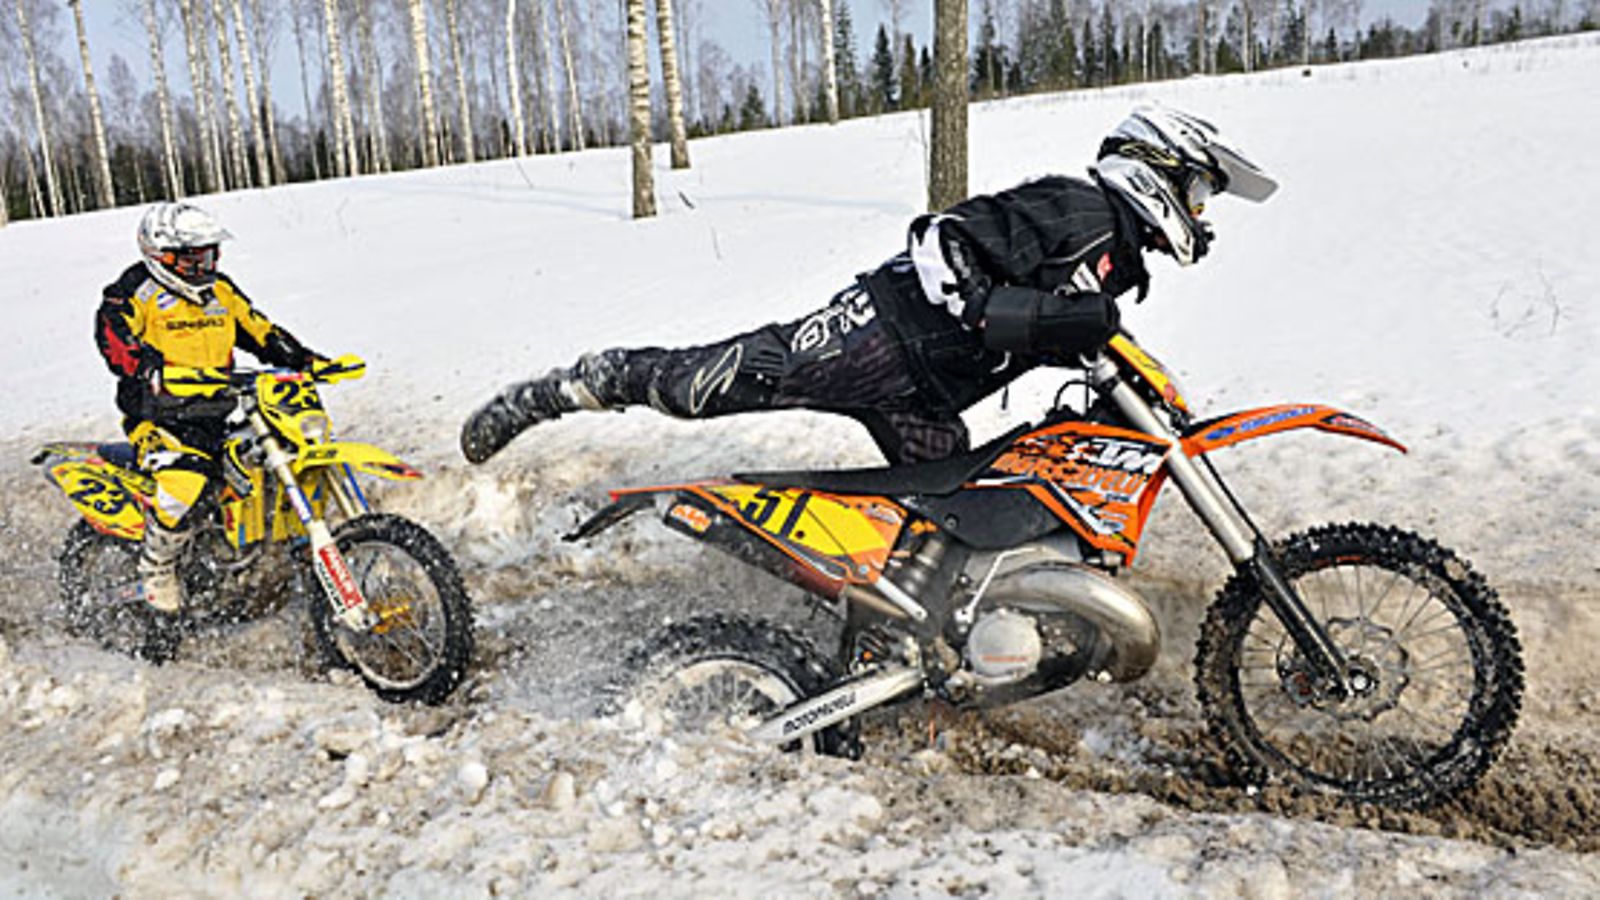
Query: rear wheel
{"type": "Point", "coordinates": [421, 638]}
{"type": "Point", "coordinates": [100, 600]}
{"type": "Point", "coordinates": [725, 672]}
{"type": "Point", "coordinates": [1436, 670]}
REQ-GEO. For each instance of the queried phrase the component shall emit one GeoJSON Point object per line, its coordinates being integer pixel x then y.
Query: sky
{"type": "Point", "coordinates": [738, 26]}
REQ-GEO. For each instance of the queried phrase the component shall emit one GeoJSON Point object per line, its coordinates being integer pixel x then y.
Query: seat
{"type": "Point", "coordinates": [941, 476]}
{"type": "Point", "coordinates": [119, 454]}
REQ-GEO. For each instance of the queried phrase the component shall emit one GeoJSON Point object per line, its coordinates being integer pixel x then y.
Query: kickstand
{"type": "Point", "coordinates": [934, 707]}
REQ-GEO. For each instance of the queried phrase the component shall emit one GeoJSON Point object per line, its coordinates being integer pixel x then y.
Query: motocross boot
{"type": "Point", "coordinates": [158, 567]}
{"type": "Point", "coordinates": [594, 383]}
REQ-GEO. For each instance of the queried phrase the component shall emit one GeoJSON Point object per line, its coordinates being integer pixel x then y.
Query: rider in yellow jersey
{"type": "Point", "coordinates": [167, 328]}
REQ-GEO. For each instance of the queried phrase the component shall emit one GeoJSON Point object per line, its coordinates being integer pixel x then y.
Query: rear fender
{"type": "Point", "coordinates": [363, 458]}
{"type": "Point", "coordinates": [1214, 434]}
{"type": "Point", "coordinates": [111, 498]}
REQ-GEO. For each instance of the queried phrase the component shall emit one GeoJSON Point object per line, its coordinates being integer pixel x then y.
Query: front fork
{"type": "Point", "coordinates": [1245, 547]}
{"type": "Point", "coordinates": [338, 583]}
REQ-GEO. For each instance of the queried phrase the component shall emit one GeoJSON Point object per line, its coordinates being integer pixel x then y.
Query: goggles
{"type": "Point", "coordinates": [195, 265]}
{"type": "Point", "coordinates": [1199, 189]}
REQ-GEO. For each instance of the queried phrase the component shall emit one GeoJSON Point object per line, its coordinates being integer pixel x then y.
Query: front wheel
{"type": "Point", "coordinates": [1436, 670]}
{"type": "Point", "coordinates": [420, 641]}
{"type": "Point", "coordinates": [719, 671]}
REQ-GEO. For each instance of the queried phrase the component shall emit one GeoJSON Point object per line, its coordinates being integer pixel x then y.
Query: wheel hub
{"type": "Point", "coordinates": [1377, 672]}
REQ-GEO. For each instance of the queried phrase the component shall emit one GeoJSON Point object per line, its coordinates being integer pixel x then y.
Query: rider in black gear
{"type": "Point", "coordinates": [985, 291]}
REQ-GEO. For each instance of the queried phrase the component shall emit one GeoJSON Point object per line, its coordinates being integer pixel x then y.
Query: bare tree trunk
{"type": "Point", "coordinates": [947, 177]}
{"type": "Point", "coordinates": [56, 206]}
{"type": "Point", "coordinates": [258, 131]}
{"type": "Point", "coordinates": [158, 65]}
{"type": "Point", "coordinates": [236, 157]}
{"type": "Point", "coordinates": [544, 81]}
{"type": "Point", "coordinates": [372, 76]}
{"type": "Point", "coordinates": [419, 50]}
{"type": "Point", "coordinates": [830, 75]}
{"type": "Point", "coordinates": [465, 101]}
{"type": "Point", "coordinates": [775, 29]}
{"type": "Point", "coordinates": [200, 86]}
{"type": "Point", "coordinates": [519, 126]}
{"type": "Point", "coordinates": [644, 190]}
{"type": "Point", "coordinates": [305, 85]}
{"type": "Point", "coordinates": [797, 103]}
{"type": "Point", "coordinates": [669, 75]}
{"type": "Point", "coordinates": [105, 196]}
{"type": "Point", "coordinates": [274, 149]}
{"type": "Point", "coordinates": [346, 159]}
{"type": "Point", "coordinates": [574, 108]}
{"type": "Point", "coordinates": [36, 200]}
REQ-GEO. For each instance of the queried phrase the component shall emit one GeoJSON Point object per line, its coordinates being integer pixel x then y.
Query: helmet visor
{"type": "Point", "coordinates": [195, 265]}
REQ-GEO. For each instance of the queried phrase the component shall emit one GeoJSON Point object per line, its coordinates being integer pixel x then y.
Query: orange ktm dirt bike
{"type": "Point", "coordinates": [291, 520]}
{"type": "Point", "coordinates": [1359, 660]}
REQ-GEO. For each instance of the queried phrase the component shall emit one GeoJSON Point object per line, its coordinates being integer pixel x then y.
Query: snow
{"type": "Point", "coordinates": [1428, 264]}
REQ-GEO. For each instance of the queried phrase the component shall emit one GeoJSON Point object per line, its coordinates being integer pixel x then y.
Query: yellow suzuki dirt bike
{"type": "Point", "coordinates": [1359, 660]}
{"type": "Point", "coordinates": [384, 596]}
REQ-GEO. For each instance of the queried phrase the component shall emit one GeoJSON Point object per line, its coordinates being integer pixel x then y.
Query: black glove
{"type": "Point", "coordinates": [282, 349]}
{"type": "Point", "coordinates": [1031, 321]}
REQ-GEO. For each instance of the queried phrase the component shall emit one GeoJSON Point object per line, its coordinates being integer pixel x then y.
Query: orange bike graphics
{"type": "Point", "coordinates": [834, 539]}
{"type": "Point", "coordinates": [1254, 423]}
{"type": "Point", "coordinates": [1100, 480]}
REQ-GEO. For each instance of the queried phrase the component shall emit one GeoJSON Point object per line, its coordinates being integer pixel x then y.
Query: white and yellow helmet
{"type": "Point", "coordinates": [1167, 164]}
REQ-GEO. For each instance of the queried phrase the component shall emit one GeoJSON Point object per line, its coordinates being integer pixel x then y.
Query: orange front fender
{"type": "Point", "coordinates": [1234, 428]}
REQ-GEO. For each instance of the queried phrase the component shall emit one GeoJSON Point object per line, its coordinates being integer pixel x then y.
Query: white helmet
{"type": "Point", "coordinates": [180, 243]}
{"type": "Point", "coordinates": [1167, 164]}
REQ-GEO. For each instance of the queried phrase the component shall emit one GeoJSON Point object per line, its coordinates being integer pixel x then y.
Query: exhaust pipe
{"type": "Point", "coordinates": [1119, 613]}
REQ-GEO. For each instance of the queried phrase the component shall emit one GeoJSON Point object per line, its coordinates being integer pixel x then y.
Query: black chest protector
{"type": "Point", "coordinates": [1056, 234]}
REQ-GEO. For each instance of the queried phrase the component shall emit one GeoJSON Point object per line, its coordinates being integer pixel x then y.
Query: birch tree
{"type": "Point", "coordinates": [947, 175]}
{"type": "Point", "coordinates": [230, 98]}
{"type": "Point", "coordinates": [574, 107]}
{"type": "Point", "coordinates": [200, 88]}
{"type": "Point", "coordinates": [519, 126]}
{"type": "Point", "coordinates": [158, 65]}
{"type": "Point", "coordinates": [346, 160]}
{"type": "Point", "coordinates": [644, 190]}
{"type": "Point", "coordinates": [266, 36]}
{"type": "Point", "coordinates": [31, 60]}
{"type": "Point", "coordinates": [419, 52]}
{"type": "Point", "coordinates": [372, 80]}
{"type": "Point", "coordinates": [774, 11]}
{"type": "Point", "coordinates": [105, 196]}
{"type": "Point", "coordinates": [252, 96]}
{"type": "Point", "coordinates": [297, 22]}
{"type": "Point", "coordinates": [453, 30]}
{"type": "Point", "coordinates": [674, 86]}
{"type": "Point", "coordinates": [830, 74]}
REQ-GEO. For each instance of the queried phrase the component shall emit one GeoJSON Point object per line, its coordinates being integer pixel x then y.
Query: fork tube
{"type": "Point", "coordinates": [341, 494]}
{"type": "Point", "coordinates": [1208, 502]}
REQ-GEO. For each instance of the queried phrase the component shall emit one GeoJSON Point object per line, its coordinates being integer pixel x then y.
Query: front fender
{"type": "Point", "coordinates": [361, 457]}
{"type": "Point", "coordinates": [1214, 434]}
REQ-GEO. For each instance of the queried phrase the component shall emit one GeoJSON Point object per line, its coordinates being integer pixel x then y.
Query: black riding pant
{"type": "Point", "coordinates": [842, 359]}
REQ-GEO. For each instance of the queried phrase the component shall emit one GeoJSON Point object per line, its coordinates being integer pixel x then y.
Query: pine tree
{"type": "Point", "coordinates": [910, 79]}
{"type": "Point", "coordinates": [753, 111]}
{"type": "Point", "coordinates": [882, 95]}
{"type": "Point", "coordinates": [844, 54]}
